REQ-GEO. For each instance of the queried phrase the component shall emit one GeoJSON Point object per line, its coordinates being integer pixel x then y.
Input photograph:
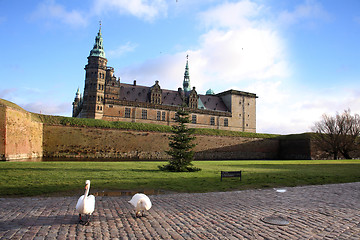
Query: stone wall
{"type": "Point", "coordinates": [292, 149]}
{"type": "Point", "coordinates": [64, 141]}
{"type": "Point", "coordinates": [21, 138]}
{"type": "Point", "coordinates": [2, 131]}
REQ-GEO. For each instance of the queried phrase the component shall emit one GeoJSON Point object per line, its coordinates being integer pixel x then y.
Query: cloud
{"type": "Point", "coordinates": [121, 50]}
{"type": "Point", "coordinates": [53, 12]}
{"type": "Point", "coordinates": [230, 15]}
{"type": "Point", "coordinates": [168, 69]}
{"type": "Point", "coordinates": [287, 109]}
{"type": "Point", "coordinates": [143, 9]}
{"type": "Point", "coordinates": [7, 93]}
{"type": "Point", "coordinates": [237, 48]}
{"type": "Point", "coordinates": [48, 108]}
{"type": "Point", "coordinates": [306, 13]}
{"type": "Point", "coordinates": [241, 49]}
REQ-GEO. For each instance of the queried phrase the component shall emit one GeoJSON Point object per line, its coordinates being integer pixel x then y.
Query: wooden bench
{"type": "Point", "coordinates": [225, 174]}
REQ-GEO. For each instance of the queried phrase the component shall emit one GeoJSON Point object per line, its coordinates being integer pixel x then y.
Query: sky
{"type": "Point", "coordinates": [300, 57]}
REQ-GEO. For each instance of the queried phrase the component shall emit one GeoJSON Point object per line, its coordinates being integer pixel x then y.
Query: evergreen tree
{"type": "Point", "coordinates": [181, 146]}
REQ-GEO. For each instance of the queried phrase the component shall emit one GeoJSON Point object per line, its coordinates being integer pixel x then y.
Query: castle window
{"type": "Point", "coordinates": [212, 121]}
{"type": "Point", "coordinates": [193, 119]}
{"type": "Point", "coordinates": [127, 112]}
{"type": "Point", "coordinates": [226, 122]}
{"type": "Point", "coordinates": [144, 114]}
{"type": "Point", "coordinates": [158, 115]}
{"type": "Point", "coordinates": [176, 116]}
{"type": "Point", "coordinates": [163, 116]}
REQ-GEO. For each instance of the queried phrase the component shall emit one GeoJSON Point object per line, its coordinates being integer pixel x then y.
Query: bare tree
{"type": "Point", "coordinates": [338, 134]}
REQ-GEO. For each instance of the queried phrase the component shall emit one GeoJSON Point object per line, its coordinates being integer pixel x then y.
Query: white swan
{"type": "Point", "coordinates": [141, 202]}
{"type": "Point", "coordinates": [86, 204]}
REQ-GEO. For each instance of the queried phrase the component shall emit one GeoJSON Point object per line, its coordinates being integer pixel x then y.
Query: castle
{"type": "Point", "coordinates": [105, 97]}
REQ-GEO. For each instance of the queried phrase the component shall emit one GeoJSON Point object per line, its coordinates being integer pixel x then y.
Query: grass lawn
{"type": "Point", "coordinates": [68, 178]}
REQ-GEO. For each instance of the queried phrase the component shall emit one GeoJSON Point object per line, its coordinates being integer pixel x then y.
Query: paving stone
{"type": "Point", "coordinates": [314, 212]}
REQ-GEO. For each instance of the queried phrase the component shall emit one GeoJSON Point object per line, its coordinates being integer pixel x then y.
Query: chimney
{"type": "Point", "coordinates": [134, 82]}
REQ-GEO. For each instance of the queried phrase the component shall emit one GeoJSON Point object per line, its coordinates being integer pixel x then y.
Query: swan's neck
{"type": "Point", "coordinates": [87, 189]}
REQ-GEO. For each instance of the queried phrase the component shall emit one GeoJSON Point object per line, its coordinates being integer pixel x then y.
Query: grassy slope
{"type": "Point", "coordinates": [67, 178]}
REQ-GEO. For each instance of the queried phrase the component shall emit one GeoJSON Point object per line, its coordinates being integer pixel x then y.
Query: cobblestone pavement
{"type": "Point", "coordinates": [314, 212]}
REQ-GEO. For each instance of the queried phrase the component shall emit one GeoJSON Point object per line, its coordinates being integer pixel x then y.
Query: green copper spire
{"type": "Point", "coordinates": [98, 49]}
{"type": "Point", "coordinates": [186, 83]}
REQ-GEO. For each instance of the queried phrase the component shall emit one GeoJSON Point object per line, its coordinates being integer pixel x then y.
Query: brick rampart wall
{"type": "Point", "coordinates": [21, 138]}
{"type": "Point", "coordinates": [64, 141]}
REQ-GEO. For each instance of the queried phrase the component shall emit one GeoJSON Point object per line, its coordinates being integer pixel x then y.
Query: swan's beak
{"type": "Point", "coordinates": [86, 186]}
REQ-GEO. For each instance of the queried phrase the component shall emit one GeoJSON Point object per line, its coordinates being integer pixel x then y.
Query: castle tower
{"type": "Point", "coordinates": [93, 100]}
{"type": "Point", "coordinates": [77, 103]}
{"type": "Point", "coordinates": [186, 83]}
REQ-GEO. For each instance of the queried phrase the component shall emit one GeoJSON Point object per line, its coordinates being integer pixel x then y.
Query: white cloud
{"type": "Point", "coordinates": [48, 108]}
{"type": "Point", "coordinates": [168, 69]}
{"type": "Point", "coordinates": [285, 110]}
{"type": "Point", "coordinates": [242, 50]}
{"type": "Point", "coordinates": [144, 9]}
{"type": "Point", "coordinates": [230, 15]}
{"type": "Point", "coordinates": [308, 12]}
{"type": "Point", "coordinates": [52, 11]}
{"type": "Point", "coordinates": [7, 93]}
{"type": "Point", "coordinates": [229, 52]}
{"type": "Point", "coordinates": [121, 50]}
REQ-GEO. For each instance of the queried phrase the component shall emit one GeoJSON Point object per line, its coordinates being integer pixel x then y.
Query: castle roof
{"type": "Point", "coordinates": [138, 93]}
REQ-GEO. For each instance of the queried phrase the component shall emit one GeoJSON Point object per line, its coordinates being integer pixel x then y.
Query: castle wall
{"type": "Point", "coordinates": [2, 131]}
{"type": "Point", "coordinates": [21, 138]}
{"type": "Point", "coordinates": [64, 141]}
{"type": "Point", "coordinates": [115, 112]}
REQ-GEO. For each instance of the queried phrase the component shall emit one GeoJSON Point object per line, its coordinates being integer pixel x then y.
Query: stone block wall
{"type": "Point", "coordinates": [64, 141]}
{"type": "Point", "coordinates": [21, 137]}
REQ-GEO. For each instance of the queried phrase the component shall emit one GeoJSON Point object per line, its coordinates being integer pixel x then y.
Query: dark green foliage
{"type": "Point", "coordinates": [181, 146]}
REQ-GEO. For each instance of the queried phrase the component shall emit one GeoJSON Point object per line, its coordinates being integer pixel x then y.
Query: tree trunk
{"type": "Point", "coordinates": [346, 154]}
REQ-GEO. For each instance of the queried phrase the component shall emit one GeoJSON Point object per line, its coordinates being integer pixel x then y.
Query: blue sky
{"type": "Point", "coordinates": [301, 57]}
